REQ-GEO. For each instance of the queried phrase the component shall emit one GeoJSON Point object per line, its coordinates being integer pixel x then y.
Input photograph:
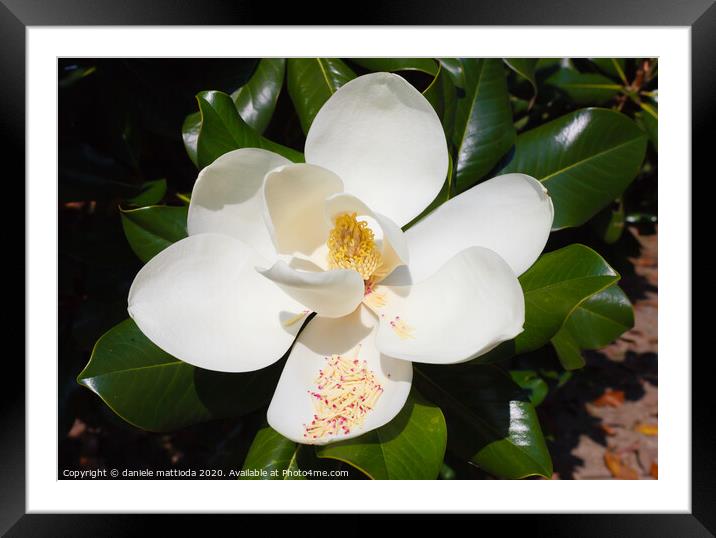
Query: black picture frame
{"type": "Point", "coordinates": [17, 15]}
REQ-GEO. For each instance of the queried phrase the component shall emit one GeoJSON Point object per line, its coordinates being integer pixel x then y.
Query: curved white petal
{"type": "Point", "coordinates": [227, 198]}
{"type": "Point", "coordinates": [394, 246]}
{"type": "Point", "coordinates": [292, 408]}
{"type": "Point", "coordinates": [385, 141]}
{"type": "Point", "coordinates": [510, 214]}
{"type": "Point", "coordinates": [294, 207]}
{"type": "Point", "coordinates": [202, 301]}
{"type": "Point", "coordinates": [473, 303]}
{"type": "Point", "coordinates": [332, 294]}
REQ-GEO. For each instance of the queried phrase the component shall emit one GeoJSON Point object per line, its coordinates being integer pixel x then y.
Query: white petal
{"type": "Point", "coordinates": [295, 195]}
{"type": "Point", "coordinates": [227, 198]}
{"type": "Point", "coordinates": [385, 141]}
{"type": "Point", "coordinates": [332, 294]}
{"type": "Point", "coordinates": [291, 407]}
{"type": "Point", "coordinates": [202, 301]}
{"type": "Point", "coordinates": [473, 303]}
{"type": "Point", "coordinates": [394, 246]}
{"type": "Point", "coordinates": [510, 214]}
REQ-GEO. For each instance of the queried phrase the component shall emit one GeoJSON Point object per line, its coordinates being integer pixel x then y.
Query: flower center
{"type": "Point", "coordinates": [351, 245]}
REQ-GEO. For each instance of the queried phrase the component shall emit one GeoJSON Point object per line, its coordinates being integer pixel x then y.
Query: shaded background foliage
{"type": "Point", "coordinates": [120, 135]}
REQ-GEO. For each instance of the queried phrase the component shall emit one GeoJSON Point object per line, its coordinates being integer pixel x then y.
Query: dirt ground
{"type": "Point", "coordinates": [607, 416]}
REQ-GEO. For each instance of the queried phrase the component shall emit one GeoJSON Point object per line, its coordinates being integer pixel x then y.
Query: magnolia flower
{"type": "Point", "coordinates": [271, 241]}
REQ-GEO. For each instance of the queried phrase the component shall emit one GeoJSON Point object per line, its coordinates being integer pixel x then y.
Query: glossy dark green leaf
{"type": "Point", "coordinates": [483, 121]}
{"type": "Point", "coordinates": [609, 222]}
{"type": "Point", "coordinates": [594, 323]}
{"type": "Point", "coordinates": [568, 351]}
{"type": "Point", "coordinates": [426, 65]}
{"type": "Point", "coordinates": [256, 100]}
{"type": "Point", "coordinates": [584, 88]}
{"type": "Point", "coordinates": [490, 419]}
{"type": "Point", "coordinates": [648, 119]}
{"type": "Point", "coordinates": [585, 159]}
{"type": "Point", "coordinates": [547, 64]}
{"type": "Point", "coordinates": [154, 391]}
{"type": "Point", "coordinates": [311, 81]}
{"type": "Point", "coordinates": [601, 319]}
{"type": "Point", "coordinates": [442, 95]}
{"type": "Point", "coordinates": [554, 286]}
{"type": "Point", "coordinates": [532, 383]}
{"type": "Point", "coordinates": [410, 447]}
{"type": "Point", "coordinates": [272, 457]}
{"type": "Point", "coordinates": [525, 67]}
{"type": "Point", "coordinates": [150, 230]}
{"type": "Point", "coordinates": [217, 129]}
{"type": "Point", "coordinates": [612, 67]}
{"type": "Point", "coordinates": [151, 193]}
{"type": "Point", "coordinates": [453, 66]}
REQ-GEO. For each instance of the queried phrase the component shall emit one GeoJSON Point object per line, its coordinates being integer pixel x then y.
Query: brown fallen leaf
{"type": "Point", "coordinates": [618, 468]}
{"type": "Point", "coordinates": [77, 429]}
{"type": "Point", "coordinates": [647, 429]}
{"type": "Point", "coordinates": [654, 470]}
{"type": "Point", "coordinates": [612, 398]}
{"type": "Point", "coordinates": [609, 430]}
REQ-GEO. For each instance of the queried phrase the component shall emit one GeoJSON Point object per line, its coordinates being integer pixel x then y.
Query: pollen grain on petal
{"type": "Point", "coordinates": [402, 329]}
{"type": "Point", "coordinates": [374, 299]}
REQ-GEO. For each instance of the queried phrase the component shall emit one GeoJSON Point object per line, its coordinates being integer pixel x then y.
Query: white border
{"type": "Point", "coordinates": [670, 493]}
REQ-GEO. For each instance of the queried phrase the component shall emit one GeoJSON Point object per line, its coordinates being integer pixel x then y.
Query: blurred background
{"type": "Point", "coordinates": [120, 125]}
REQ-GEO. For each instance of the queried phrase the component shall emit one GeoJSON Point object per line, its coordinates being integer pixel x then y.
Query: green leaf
{"type": "Point", "coordinates": [609, 222]}
{"type": "Point", "coordinates": [525, 67]}
{"type": "Point", "coordinates": [600, 319]}
{"type": "Point", "coordinates": [256, 100]}
{"type": "Point", "coordinates": [453, 66]}
{"type": "Point", "coordinates": [217, 129]}
{"type": "Point", "coordinates": [151, 193]}
{"type": "Point", "coordinates": [584, 88]}
{"type": "Point", "coordinates": [596, 322]}
{"type": "Point", "coordinates": [311, 81]}
{"type": "Point", "coordinates": [272, 457]}
{"type": "Point", "coordinates": [410, 447]}
{"type": "Point", "coordinates": [154, 391]}
{"type": "Point", "coordinates": [483, 121]}
{"type": "Point", "coordinates": [426, 65]}
{"type": "Point", "coordinates": [585, 159]}
{"type": "Point", "coordinates": [490, 419]}
{"type": "Point", "coordinates": [648, 119]}
{"type": "Point", "coordinates": [553, 287]}
{"type": "Point", "coordinates": [150, 230]}
{"type": "Point", "coordinates": [442, 95]}
{"type": "Point", "coordinates": [531, 383]}
{"type": "Point", "coordinates": [612, 67]}
{"type": "Point", "coordinates": [568, 351]}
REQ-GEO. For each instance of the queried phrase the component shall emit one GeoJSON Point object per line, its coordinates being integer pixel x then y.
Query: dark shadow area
{"type": "Point", "coordinates": [119, 125]}
{"type": "Point", "coordinates": [564, 415]}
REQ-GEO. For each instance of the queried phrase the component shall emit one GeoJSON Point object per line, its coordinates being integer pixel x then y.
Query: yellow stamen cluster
{"type": "Point", "coordinates": [351, 245]}
{"type": "Point", "coordinates": [347, 392]}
